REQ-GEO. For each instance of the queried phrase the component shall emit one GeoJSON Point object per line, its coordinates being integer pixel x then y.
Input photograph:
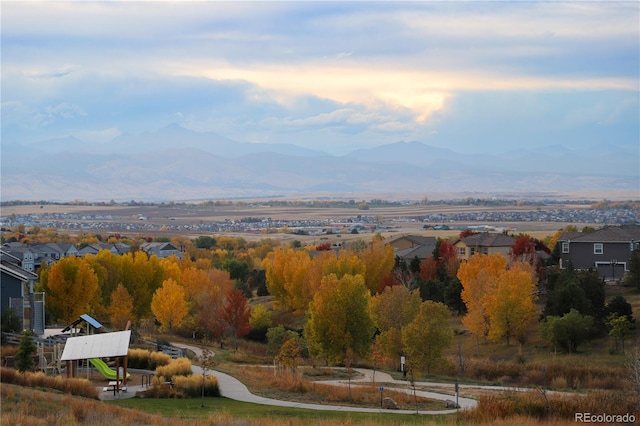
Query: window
{"type": "Point", "coordinates": [472, 250]}
{"type": "Point", "coordinates": [598, 248]}
{"type": "Point", "coordinates": [462, 251]}
{"type": "Point", "coordinates": [485, 250]}
{"type": "Point", "coordinates": [565, 247]}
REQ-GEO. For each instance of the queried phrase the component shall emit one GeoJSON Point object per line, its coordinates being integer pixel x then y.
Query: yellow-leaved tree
{"type": "Point", "coordinates": [286, 273]}
{"type": "Point", "coordinates": [339, 322]}
{"type": "Point", "coordinates": [511, 306]}
{"type": "Point", "coordinates": [427, 336]}
{"type": "Point", "coordinates": [391, 310]}
{"type": "Point", "coordinates": [478, 277]}
{"type": "Point", "coordinates": [500, 297]}
{"type": "Point", "coordinates": [169, 305]}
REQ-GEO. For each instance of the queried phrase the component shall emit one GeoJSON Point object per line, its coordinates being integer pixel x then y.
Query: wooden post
{"type": "Point", "coordinates": [125, 362]}
{"type": "Point", "coordinates": [118, 374]}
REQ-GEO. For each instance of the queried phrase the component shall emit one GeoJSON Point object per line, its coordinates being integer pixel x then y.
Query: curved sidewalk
{"type": "Point", "coordinates": [232, 388]}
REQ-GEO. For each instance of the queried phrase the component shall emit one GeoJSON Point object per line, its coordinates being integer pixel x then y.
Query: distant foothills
{"type": "Point", "coordinates": [175, 163]}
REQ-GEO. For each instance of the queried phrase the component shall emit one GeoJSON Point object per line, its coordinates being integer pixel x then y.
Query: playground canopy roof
{"type": "Point", "coordinates": [97, 346]}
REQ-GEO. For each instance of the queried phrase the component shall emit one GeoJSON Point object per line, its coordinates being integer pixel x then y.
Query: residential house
{"type": "Point", "coordinates": [24, 253]}
{"type": "Point", "coordinates": [484, 243]}
{"type": "Point", "coordinates": [410, 247]}
{"type": "Point", "coordinates": [17, 293]}
{"type": "Point", "coordinates": [608, 249]}
{"type": "Point", "coordinates": [161, 250]}
{"type": "Point", "coordinates": [116, 249]}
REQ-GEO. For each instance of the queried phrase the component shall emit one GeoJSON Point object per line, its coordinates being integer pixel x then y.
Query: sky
{"type": "Point", "coordinates": [480, 77]}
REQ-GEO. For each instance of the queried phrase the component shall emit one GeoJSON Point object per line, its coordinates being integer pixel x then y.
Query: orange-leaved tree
{"type": "Point", "coordinates": [379, 260]}
{"type": "Point", "coordinates": [121, 308]}
{"type": "Point", "coordinates": [236, 314]}
{"type": "Point", "coordinates": [71, 287]}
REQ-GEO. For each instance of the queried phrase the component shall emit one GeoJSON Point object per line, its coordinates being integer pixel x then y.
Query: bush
{"type": "Point", "coordinates": [177, 367]}
{"type": "Point", "coordinates": [191, 386]}
{"type": "Point", "coordinates": [144, 359]}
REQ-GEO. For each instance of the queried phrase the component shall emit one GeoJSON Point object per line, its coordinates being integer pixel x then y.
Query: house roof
{"type": "Point", "coordinates": [16, 271]}
{"type": "Point", "coordinates": [607, 234]}
{"type": "Point", "coordinates": [416, 239]}
{"type": "Point", "coordinates": [488, 239]}
{"type": "Point", "coordinates": [423, 246]}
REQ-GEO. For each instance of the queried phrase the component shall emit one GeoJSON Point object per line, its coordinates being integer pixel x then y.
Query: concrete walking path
{"type": "Point", "coordinates": [232, 388]}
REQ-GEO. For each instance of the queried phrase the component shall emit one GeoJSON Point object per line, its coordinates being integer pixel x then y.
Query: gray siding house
{"type": "Point", "coordinates": [16, 293]}
{"type": "Point", "coordinates": [606, 250]}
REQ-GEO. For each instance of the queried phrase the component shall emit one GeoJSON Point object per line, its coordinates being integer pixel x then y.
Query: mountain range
{"type": "Point", "coordinates": [178, 164]}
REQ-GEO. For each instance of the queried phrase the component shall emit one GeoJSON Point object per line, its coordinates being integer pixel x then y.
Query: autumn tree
{"type": "Point", "coordinates": [511, 305]}
{"type": "Point", "coordinates": [236, 314]}
{"type": "Point", "coordinates": [378, 259]}
{"type": "Point", "coordinates": [391, 311]}
{"type": "Point", "coordinates": [259, 322]}
{"type": "Point", "coordinates": [71, 286]}
{"type": "Point", "coordinates": [287, 278]}
{"type": "Point", "coordinates": [169, 305]}
{"type": "Point", "coordinates": [142, 276]}
{"type": "Point", "coordinates": [121, 308]}
{"type": "Point", "coordinates": [210, 302]}
{"type": "Point", "coordinates": [427, 336]}
{"type": "Point", "coordinates": [339, 319]}
{"type": "Point", "coordinates": [500, 298]}
{"type": "Point", "coordinates": [478, 278]}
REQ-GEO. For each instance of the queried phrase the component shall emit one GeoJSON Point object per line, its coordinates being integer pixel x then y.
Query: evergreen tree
{"type": "Point", "coordinates": [26, 350]}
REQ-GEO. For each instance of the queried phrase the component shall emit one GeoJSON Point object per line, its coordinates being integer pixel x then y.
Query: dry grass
{"type": "Point", "coordinates": [547, 407]}
{"type": "Point", "coordinates": [177, 367]}
{"type": "Point", "coordinates": [294, 387]}
{"type": "Point", "coordinates": [80, 387]}
{"type": "Point", "coordinates": [147, 360]}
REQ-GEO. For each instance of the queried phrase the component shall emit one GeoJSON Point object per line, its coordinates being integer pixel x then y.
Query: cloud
{"type": "Point", "coordinates": [51, 73]}
{"type": "Point", "coordinates": [365, 71]}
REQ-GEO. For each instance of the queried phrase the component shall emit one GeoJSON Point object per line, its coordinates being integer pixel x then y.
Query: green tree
{"type": "Point", "coordinates": [339, 319]}
{"type": "Point", "coordinates": [567, 331]}
{"type": "Point", "coordinates": [634, 268]}
{"type": "Point", "coordinates": [427, 336]}
{"type": "Point", "coordinates": [26, 350]}
{"type": "Point", "coordinates": [620, 328]}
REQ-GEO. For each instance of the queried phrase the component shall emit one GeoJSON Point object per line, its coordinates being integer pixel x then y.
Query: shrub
{"type": "Point", "coordinates": [177, 367]}
{"type": "Point", "coordinates": [191, 386]}
{"type": "Point", "coordinates": [144, 359]}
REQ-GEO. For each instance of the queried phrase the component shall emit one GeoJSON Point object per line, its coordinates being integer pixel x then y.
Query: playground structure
{"type": "Point", "coordinates": [106, 345]}
{"type": "Point", "coordinates": [107, 372]}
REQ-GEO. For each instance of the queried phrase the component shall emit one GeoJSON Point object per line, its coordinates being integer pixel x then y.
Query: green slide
{"type": "Point", "coordinates": [104, 369]}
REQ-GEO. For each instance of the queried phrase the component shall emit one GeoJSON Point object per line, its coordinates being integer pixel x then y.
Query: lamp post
{"type": "Point", "coordinates": [613, 269]}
